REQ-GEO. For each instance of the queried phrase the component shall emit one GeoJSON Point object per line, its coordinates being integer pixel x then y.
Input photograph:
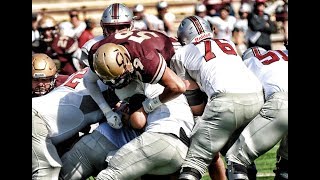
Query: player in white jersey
{"type": "Point", "coordinates": [234, 94]}
{"type": "Point", "coordinates": [59, 115]}
{"type": "Point", "coordinates": [271, 67]}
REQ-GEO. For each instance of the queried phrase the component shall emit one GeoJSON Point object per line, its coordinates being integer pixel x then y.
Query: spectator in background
{"type": "Point", "coordinates": [201, 11]}
{"type": "Point", "coordinates": [214, 6]}
{"type": "Point", "coordinates": [261, 27]}
{"type": "Point", "coordinates": [223, 24]}
{"type": "Point", "coordinates": [168, 18]}
{"type": "Point", "coordinates": [87, 34]}
{"type": "Point", "coordinates": [35, 32]}
{"type": "Point", "coordinates": [145, 21]}
{"type": "Point", "coordinates": [241, 28]}
{"type": "Point", "coordinates": [78, 25]}
{"type": "Point", "coordinates": [281, 13]}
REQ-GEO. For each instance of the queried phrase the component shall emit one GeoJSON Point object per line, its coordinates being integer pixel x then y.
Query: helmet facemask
{"type": "Point", "coordinates": [44, 74]}
{"type": "Point", "coordinates": [44, 85]}
{"type": "Point", "coordinates": [110, 28]}
{"type": "Point", "coordinates": [121, 81]}
{"type": "Point", "coordinates": [117, 16]}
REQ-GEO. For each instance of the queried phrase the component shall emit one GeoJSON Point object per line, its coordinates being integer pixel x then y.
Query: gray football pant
{"type": "Point", "coordinates": [87, 157]}
{"type": "Point", "coordinates": [223, 114]}
{"type": "Point", "coordinates": [46, 163]}
{"type": "Point", "coordinates": [263, 132]}
{"type": "Point", "coordinates": [149, 153]}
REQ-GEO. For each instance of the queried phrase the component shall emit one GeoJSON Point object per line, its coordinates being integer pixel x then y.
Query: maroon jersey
{"type": "Point", "coordinates": [150, 52]}
{"type": "Point", "coordinates": [64, 46]}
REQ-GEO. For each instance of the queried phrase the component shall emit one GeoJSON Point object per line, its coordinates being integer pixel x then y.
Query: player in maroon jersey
{"type": "Point", "coordinates": [61, 48]}
{"type": "Point", "coordinates": [133, 55]}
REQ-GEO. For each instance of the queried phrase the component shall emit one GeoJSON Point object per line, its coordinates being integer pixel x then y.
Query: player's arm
{"type": "Point", "coordinates": [76, 60]}
{"type": "Point", "coordinates": [195, 97]}
{"type": "Point", "coordinates": [90, 82]}
{"type": "Point", "coordinates": [173, 86]}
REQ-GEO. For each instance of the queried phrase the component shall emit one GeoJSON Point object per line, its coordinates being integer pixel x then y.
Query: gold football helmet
{"type": "Point", "coordinates": [47, 23]}
{"type": "Point", "coordinates": [112, 64]}
{"type": "Point", "coordinates": [43, 69]}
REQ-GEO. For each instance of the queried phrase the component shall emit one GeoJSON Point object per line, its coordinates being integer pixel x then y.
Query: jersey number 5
{"type": "Point", "coordinates": [269, 57]}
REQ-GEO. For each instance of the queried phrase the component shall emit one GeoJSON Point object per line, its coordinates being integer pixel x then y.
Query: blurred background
{"type": "Point", "coordinates": [93, 9]}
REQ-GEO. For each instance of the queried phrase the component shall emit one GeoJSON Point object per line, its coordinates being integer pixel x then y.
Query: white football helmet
{"type": "Point", "coordinates": [250, 52]}
{"type": "Point", "coordinates": [116, 15]}
{"type": "Point", "coordinates": [193, 29]}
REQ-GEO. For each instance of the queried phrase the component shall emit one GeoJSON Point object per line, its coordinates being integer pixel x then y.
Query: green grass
{"type": "Point", "coordinates": [265, 165]}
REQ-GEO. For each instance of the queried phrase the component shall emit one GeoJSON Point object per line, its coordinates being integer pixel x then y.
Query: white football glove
{"type": "Point", "coordinates": [113, 119]}
{"type": "Point", "coordinates": [150, 104]}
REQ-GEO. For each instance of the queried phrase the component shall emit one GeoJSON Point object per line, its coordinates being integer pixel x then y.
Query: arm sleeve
{"type": "Point", "coordinates": [90, 82]}
{"type": "Point", "coordinates": [76, 59]}
{"type": "Point", "coordinates": [177, 66]}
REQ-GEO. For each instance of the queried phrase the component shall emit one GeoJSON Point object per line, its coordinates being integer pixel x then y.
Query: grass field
{"type": "Point", "coordinates": [265, 165]}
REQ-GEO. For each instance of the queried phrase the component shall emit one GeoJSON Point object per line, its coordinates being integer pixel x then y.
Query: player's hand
{"type": "Point", "coordinates": [114, 119]}
{"type": "Point", "coordinates": [150, 104]}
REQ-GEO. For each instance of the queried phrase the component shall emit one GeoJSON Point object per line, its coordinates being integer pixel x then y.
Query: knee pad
{"type": "Point", "coordinates": [189, 174]}
{"type": "Point", "coordinates": [236, 171]}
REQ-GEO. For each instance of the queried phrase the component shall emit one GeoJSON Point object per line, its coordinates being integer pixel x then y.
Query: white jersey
{"type": "Point", "coordinates": [68, 108]}
{"type": "Point", "coordinates": [216, 67]}
{"type": "Point", "coordinates": [167, 118]}
{"type": "Point", "coordinates": [224, 27]}
{"type": "Point", "coordinates": [86, 48]}
{"type": "Point", "coordinates": [271, 68]}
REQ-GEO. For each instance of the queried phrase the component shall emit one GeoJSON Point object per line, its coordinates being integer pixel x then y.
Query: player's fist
{"type": "Point", "coordinates": [114, 119]}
